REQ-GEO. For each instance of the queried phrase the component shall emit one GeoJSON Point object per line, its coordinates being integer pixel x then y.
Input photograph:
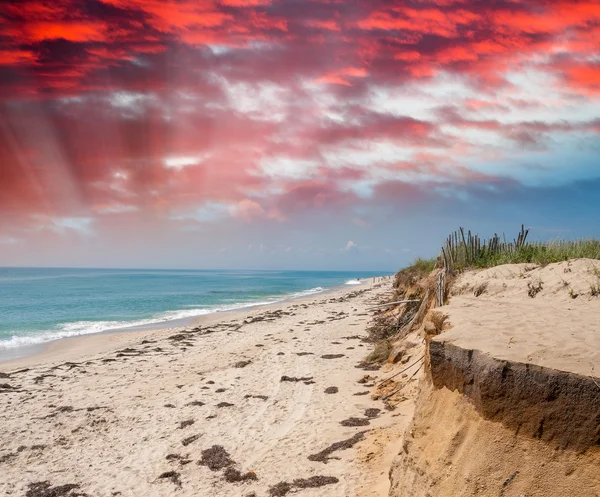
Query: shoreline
{"type": "Point", "coordinates": [281, 390]}
{"type": "Point", "coordinates": [72, 348]}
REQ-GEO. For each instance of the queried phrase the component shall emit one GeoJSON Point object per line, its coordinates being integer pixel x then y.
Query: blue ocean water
{"type": "Point", "coordinates": [42, 304]}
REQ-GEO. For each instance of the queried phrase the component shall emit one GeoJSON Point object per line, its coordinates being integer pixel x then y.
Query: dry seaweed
{"type": "Point", "coordinates": [173, 476]}
{"type": "Point", "coordinates": [44, 489]}
{"type": "Point", "coordinates": [331, 390]}
{"type": "Point", "coordinates": [332, 356]}
{"type": "Point", "coordinates": [279, 490]}
{"type": "Point", "coordinates": [233, 475]}
{"type": "Point", "coordinates": [294, 379]}
{"type": "Point", "coordinates": [7, 457]}
{"type": "Point", "coordinates": [216, 458]}
{"type": "Point", "coordinates": [186, 423]}
{"type": "Point", "coordinates": [282, 488]}
{"type": "Point", "coordinates": [355, 422]}
{"type": "Point", "coordinates": [314, 481]}
{"type": "Point", "coordinates": [186, 441]}
{"type": "Point", "coordinates": [324, 455]}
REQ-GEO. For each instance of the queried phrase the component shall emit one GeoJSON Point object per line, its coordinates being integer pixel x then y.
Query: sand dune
{"type": "Point", "coordinates": [540, 315]}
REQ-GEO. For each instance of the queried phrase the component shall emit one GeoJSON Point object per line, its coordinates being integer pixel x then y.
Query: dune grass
{"type": "Point", "coordinates": [423, 265]}
{"type": "Point", "coordinates": [465, 250]}
{"type": "Point", "coordinates": [545, 253]}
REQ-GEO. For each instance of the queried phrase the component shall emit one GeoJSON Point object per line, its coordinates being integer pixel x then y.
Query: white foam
{"type": "Point", "coordinates": [79, 328]}
{"type": "Point", "coordinates": [353, 282]}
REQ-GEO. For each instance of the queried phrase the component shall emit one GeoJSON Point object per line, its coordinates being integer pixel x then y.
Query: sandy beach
{"type": "Point", "coordinates": [260, 402]}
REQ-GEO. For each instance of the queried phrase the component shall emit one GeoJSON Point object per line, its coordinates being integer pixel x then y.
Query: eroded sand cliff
{"type": "Point", "coordinates": [509, 404]}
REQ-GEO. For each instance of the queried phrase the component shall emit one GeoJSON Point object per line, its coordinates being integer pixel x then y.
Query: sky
{"type": "Point", "coordinates": [292, 134]}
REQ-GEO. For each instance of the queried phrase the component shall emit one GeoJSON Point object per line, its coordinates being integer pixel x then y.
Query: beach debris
{"type": "Point", "coordinates": [303, 353]}
{"type": "Point", "coordinates": [355, 422]}
{"type": "Point", "coordinates": [216, 458]}
{"type": "Point", "coordinates": [510, 479]}
{"type": "Point", "coordinates": [282, 488]}
{"type": "Point", "coordinates": [220, 390]}
{"type": "Point", "coordinates": [365, 379]}
{"type": "Point", "coordinates": [7, 457]}
{"type": "Point", "coordinates": [331, 390]}
{"type": "Point", "coordinates": [186, 441]}
{"type": "Point", "coordinates": [44, 489]}
{"type": "Point", "coordinates": [170, 405]}
{"type": "Point", "coordinates": [294, 379]}
{"type": "Point", "coordinates": [186, 423]}
{"type": "Point", "coordinates": [365, 366]}
{"type": "Point", "coordinates": [40, 378]}
{"type": "Point", "coordinates": [242, 364]}
{"type": "Point", "coordinates": [314, 481]}
{"type": "Point", "coordinates": [324, 455]}
{"type": "Point", "coordinates": [195, 403]}
{"type": "Point", "coordinates": [224, 404]}
{"type": "Point", "coordinates": [249, 396]}
{"type": "Point", "coordinates": [372, 412]}
{"type": "Point", "coordinates": [233, 475]}
{"type": "Point", "coordinates": [361, 393]}
{"type": "Point", "coordinates": [4, 375]}
{"type": "Point", "coordinates": [171, 475]}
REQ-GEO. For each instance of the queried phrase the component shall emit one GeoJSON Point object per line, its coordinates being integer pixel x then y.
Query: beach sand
{"type": "Point", "coordinates": [240, 395]}
{"type": "Point", "coordinates": [530, 314]}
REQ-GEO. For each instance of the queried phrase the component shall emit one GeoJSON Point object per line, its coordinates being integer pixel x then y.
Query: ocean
{"type": "Point", "coordinates": [38, 305]}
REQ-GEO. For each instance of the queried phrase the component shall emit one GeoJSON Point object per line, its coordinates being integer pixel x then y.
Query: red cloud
{"type": "Point", "coordinates": [96, 96]}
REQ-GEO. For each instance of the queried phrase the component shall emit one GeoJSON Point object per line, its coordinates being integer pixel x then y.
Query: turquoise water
{"type": "Point", "coordinates": [42, 304]}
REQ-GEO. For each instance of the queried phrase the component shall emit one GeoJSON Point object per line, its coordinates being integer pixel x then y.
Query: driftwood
{"type": "Point", "coordinates": [393, 303]}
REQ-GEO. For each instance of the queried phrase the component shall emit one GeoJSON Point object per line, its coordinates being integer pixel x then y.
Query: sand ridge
{"type": "Point", "coordinates": [541, 315]}
{"type": "Point", "coordinates": [250, 390]}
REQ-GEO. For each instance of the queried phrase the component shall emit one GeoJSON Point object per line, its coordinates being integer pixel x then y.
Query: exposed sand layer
{"type": "Point", "coordinates": [266, 402]}
{"type": "Point", "coordinates": [450, 450]}
{"type": "Point", "coordinates": [511, 403]}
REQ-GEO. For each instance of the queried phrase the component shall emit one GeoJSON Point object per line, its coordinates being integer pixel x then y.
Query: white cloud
{"type": "Point", "coordinates": [63, 225]}
{"type": "Point", "coordinates": [207, 212]}
{"type": "Point", "coordinates": [183, 161]}
{"type": "Point", "coordinates": [116, 209]}
{"type": "Point", "coordinates": [350, 247]}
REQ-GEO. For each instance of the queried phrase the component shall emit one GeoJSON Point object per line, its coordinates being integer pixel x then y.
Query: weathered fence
{"type": "Point", "coordinates": [468, 250]}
